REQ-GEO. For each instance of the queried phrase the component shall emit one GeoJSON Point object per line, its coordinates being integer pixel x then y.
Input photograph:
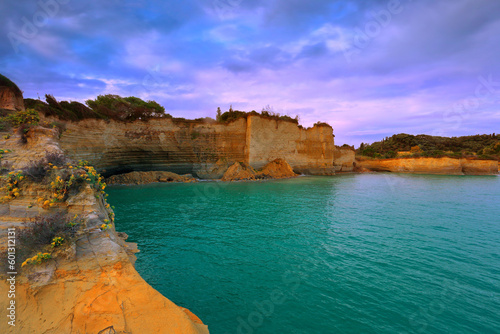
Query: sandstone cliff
{"type": "Point", "coordinates": [447, 166]}
{"type": "Point", "coordinates": [308, 151]}
{"type": "Point", "coordinates": [11, 97]}
{"type": "Point", "coordinates": [344, 159]}
{"type": "Point", "coordinates": [199, 148]}
{"type": "Point", "coordinates": [89, 284]}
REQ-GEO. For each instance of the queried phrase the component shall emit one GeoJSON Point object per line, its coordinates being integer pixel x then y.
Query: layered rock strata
{"type": "Point", "coordinates": [204, 149]}
{"type": "Point", "coordinates": [90, 284]}
{"type": "Point", "coordinates": [446, 166]}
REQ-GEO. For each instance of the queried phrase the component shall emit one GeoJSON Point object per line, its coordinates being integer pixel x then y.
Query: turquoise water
{"type": "Point", "coordinates": [368, 253]}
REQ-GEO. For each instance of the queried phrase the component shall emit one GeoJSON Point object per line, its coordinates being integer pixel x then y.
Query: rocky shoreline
{"type": "Point", "coordinates": [437, 166]}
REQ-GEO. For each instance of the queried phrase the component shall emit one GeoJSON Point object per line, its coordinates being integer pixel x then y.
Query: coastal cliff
{"type": "Point", "coordinates": [204, 149]}
{"type": "Point", "coordinates": [85, 285]}
{"type": "Point", "coordinates": [344, 159]}
{"type": "Point", "coordinates": [447, 166]}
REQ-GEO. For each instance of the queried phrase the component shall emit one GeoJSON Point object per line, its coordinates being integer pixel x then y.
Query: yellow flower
{"type": "Point", "coordinates": [47, 202]}
{"type": "Point", "coordinates": [55, 167]}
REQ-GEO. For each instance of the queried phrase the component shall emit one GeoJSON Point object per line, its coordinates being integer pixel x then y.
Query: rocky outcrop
{"type": "Point", "coordinates": [11, 97]}
{"type": "Point", "coordinates": [89, 284]}
{"type": "Point", "coordinates": [344, 159]}
{"type": "Point", "coordinates": [276, 169]}
{"type": "Point", "coordinates": [204, 149]}
{"type": "Point", "coordinates": [149, 177]}
{"type": "Point", "coordinates": [239, 171]}
{"type": "Point", "coordinates": [446, 166]}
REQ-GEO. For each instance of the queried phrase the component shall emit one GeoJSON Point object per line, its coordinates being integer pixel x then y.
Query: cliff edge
{"type": "Point", "coordinates": [84, 282]}
{"type": "Point", "coordinates": [444, 166]}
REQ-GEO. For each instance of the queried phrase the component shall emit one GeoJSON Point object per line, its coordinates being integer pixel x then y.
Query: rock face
{"type": "Point", "coordinates": [11, 97]}
{"type": "Point", "coordinates": [344, 159]}
{"type": "Point", "coordinates": [148, 177]}
{"type": "Point", "coordinates": [447, 166]}
{"type": "Point", "coordinates": [90, 285]}
{"type": "Point", "coordinates": [202, 149]}
{"type": "Point", "coordinates": [276, 169]}
{"type": "Point", "coordinates": [308, 151]}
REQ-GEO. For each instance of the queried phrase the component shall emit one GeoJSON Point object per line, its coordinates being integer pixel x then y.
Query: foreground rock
{"type": "Point", "coordinates": [445, 166]}
{"type": "Point", "coordinates": [149, 177]}
{"type": "Point", "coordinates": [276, 169]}
{"type": "Point", "coordinates": [90, 284]}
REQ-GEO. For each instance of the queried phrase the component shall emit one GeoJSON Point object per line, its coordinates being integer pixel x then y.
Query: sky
{"type": "Point", "coordinates": [370, 69]}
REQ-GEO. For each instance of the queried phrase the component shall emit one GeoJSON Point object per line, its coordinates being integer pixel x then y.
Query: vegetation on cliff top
{"type": "Point", "coordinates": [6, 82]}
{"type": "Point", "coordinates": [267, 112]}
{"type": "Point", "coordinates": [107, 107]}
{"type": "Point", "coordinates": [232, 115]}
{"type": "Point", "coordinates": [129, 109]}
{"type": "Point", "coordinates": [405, 145]}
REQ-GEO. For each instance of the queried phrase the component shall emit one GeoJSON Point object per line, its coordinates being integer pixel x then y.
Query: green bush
{"type": "Point", "coordinates": [18, 118]}
{"type": "Point", "coordinates": [434, 146]}
{"type": "Point", "coordinates": [107, 107]}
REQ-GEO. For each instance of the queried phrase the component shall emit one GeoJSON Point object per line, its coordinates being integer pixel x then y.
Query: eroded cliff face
{"type": "Point", "coordinates": [160, 144]}
{"type": "Point", "coordinates": [205, 150]}
{"type": "Point", "coordinates": [344, 159]}
{"type": "Point", "coordinates": [308, 151]}
{"type": "Point", "coordinates": [447, 166]}
{"type": "Point", "coordinates": [88, 285]}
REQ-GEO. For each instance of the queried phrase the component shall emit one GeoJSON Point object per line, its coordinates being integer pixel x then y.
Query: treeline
{"type": "Point", "coordinates": [107, 107]}
{"type": "Point", "coordinates": [129, 109]}
{"type": "Point", "coordinates": [232, 115]}
{"type": "Point", "coordinates": [478, 146]}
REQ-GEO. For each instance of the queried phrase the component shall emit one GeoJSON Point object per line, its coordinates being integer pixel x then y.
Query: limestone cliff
{"type": "Point", "coordinates": [89, 284]}
{"type": "Point", "coordinates": [446, 166]}
{"type": "Point", "coordinates": [199, 148]}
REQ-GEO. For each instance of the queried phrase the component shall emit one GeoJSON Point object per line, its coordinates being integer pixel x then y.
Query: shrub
{"type": "Point", "coordinates": [56, 159]}
{"type": "Point", "coordinates": [41, 230]}
{"type": "Point", "coordinates": [12, 188]}
{"type": "Point", "coordinates": [391, 155]}
{"type": "Point", "coordinates": [36, 170]}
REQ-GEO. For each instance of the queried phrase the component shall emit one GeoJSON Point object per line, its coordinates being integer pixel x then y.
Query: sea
{"type": "Point", "coordinates": [353, 253]}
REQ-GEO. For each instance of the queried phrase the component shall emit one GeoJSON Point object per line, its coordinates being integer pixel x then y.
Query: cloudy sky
{"type": "Point", "coordinates": [369, 68]}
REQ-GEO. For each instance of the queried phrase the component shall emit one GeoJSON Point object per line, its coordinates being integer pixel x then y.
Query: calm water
{"type": "Point", "coordinates": [372, 253]}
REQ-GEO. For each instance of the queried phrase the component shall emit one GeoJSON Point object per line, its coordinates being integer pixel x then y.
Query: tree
{"type": "Point", "coordinates": [219, 113]}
